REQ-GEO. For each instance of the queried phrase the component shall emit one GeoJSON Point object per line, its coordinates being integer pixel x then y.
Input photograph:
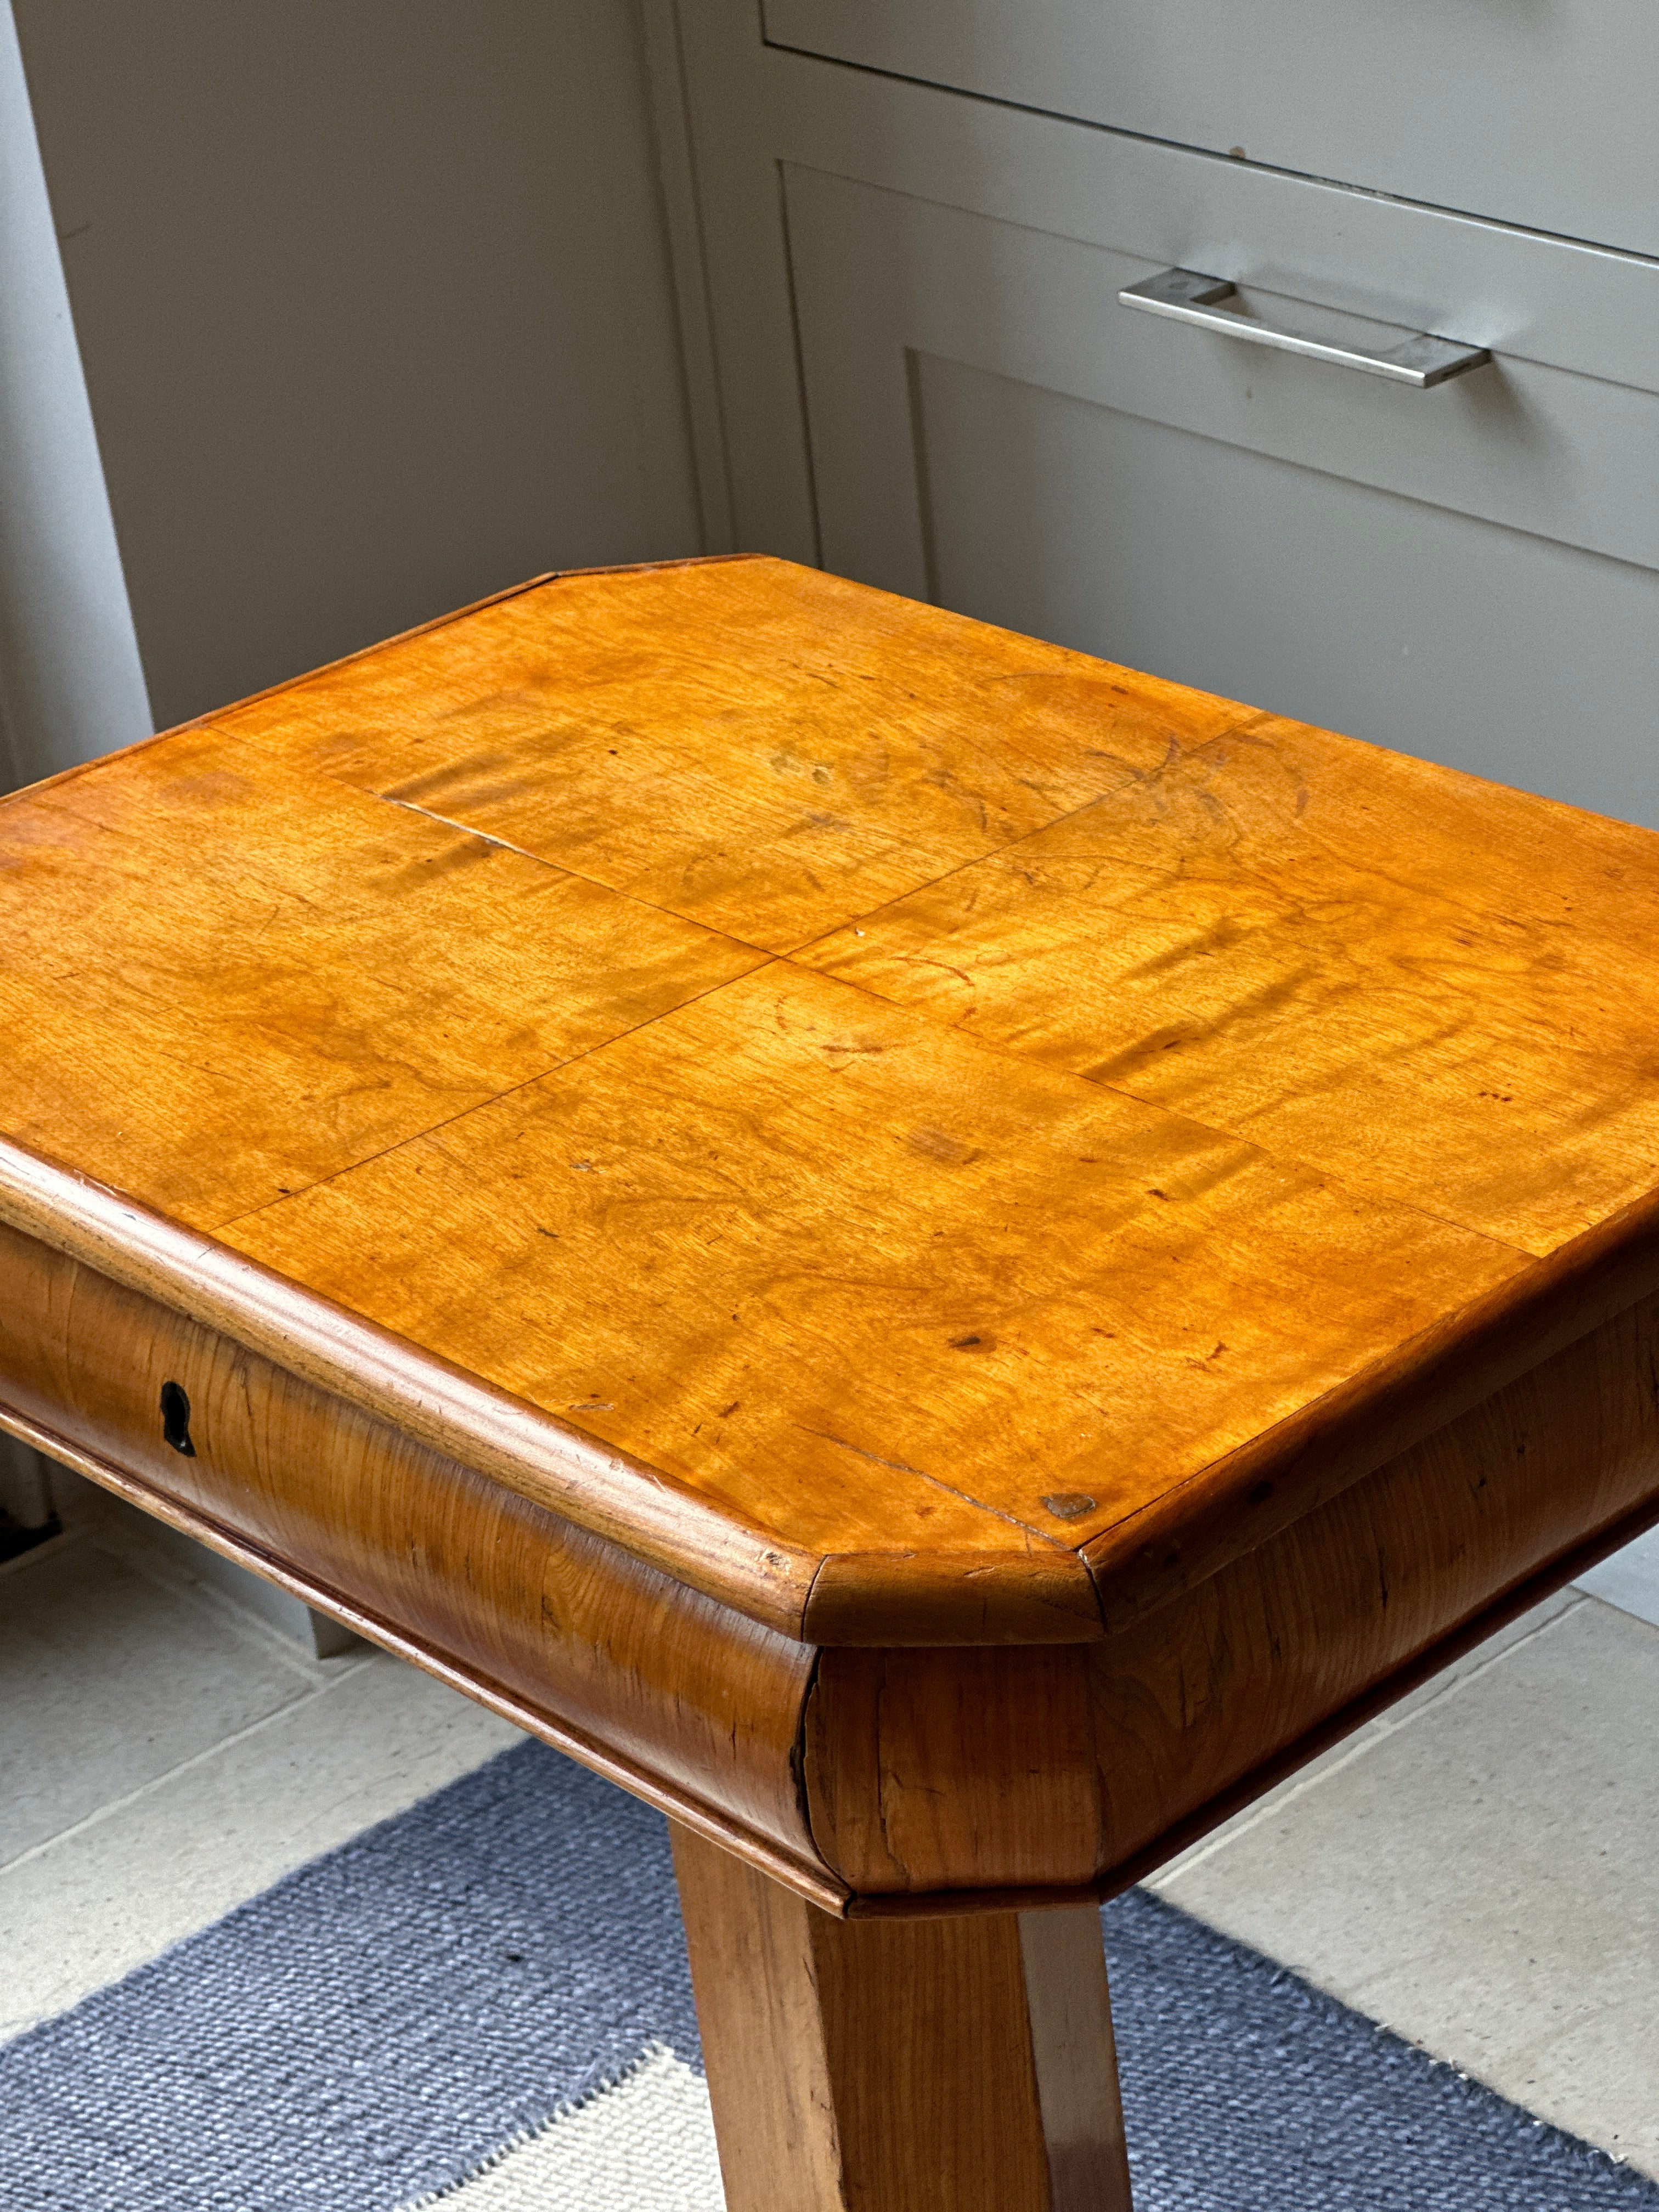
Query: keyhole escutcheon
{"type": "Point", "coordinates": [175, 1418]}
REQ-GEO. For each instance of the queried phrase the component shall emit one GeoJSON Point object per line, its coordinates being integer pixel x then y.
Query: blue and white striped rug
{"type": "Point", "coordinates": [484, 2004]}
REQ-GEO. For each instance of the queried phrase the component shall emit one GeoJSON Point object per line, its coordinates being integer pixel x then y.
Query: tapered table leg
{"type": "Point", "coordinates": [881, 2065]}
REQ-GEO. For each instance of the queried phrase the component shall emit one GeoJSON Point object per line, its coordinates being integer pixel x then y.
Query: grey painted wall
{"type": "Point", "coordinates": [70, 683]}
{"type": "Point", "coordinates": [374, 303]}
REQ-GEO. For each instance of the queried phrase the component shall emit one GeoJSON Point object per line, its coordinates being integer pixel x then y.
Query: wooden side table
{"type": "Point", "coordinates": [941, 1258]}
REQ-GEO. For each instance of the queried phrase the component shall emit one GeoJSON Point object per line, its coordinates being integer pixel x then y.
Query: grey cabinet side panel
{"type": "Point", "coordinates": [71, 685]}
{"type": "Point", "coordinates": [737, 133]}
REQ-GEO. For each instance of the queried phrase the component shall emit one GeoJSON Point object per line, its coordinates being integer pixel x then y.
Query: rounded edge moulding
{"type": "Point", "coordinates": [1044, 1594]}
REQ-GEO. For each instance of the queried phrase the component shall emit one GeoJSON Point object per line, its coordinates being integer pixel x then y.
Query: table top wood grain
{"type": "Point", "coordinates": [921, 1134]}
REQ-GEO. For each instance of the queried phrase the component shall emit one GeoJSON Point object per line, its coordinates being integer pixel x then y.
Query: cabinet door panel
{"type": "Point", "coordinates": [1478, 581]}
{"type": "Point", "coordinates": [1534, 112]}
{"type": "Point", "coordinates": [1285, 587]}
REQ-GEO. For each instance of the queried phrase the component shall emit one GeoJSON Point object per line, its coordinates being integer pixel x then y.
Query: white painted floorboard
{"type": "Point", "coordinates": [79, 1625]}
{"type": "Point", "coordinates": [1477, 1869]}
{"type": "Point", "coordinates": [207, 1790]}
{"type": "Point", "coordinates": [1630, 1579]}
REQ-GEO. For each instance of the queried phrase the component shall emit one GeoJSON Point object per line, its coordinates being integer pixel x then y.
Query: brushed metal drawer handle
{"type": "Point", "coordinates": [1187, 297]}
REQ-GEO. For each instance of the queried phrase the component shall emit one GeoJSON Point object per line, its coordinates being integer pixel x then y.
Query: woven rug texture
{"type": "Point", "coordinates": [485, 2004]}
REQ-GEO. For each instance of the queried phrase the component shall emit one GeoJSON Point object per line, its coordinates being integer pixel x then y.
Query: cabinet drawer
{"type": "Point", "coordinates": [1540, 115]}
{"type": "Point", "coordinates": [1470, 573]}
{"type": "Point", "coordinates": [667, 1692]}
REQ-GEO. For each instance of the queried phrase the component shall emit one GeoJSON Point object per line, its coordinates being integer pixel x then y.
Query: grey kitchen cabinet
{"type": "Point", "coordinates": [1537, 111]}
{"type": "Point", "coordinates": [927, 381]}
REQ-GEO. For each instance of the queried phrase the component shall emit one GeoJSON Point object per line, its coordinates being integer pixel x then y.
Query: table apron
{"type": "Point", "coordinates": [677, 1696]}
{"type": "Point", "coordinates": [908, 1779]}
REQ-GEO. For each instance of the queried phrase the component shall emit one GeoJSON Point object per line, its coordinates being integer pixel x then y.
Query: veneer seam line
{"type": "Point", "coordinates": [995, 854]}
{"type": "Point", "coordinates": [966, 1498]}
{"type": "Point", "coordinates": [484, 1105]}
{"type": "Point", "coordinates": [558, 867]}
{"type": "Point", "coordinates": [1327, 1178]}
{"type": "Point", "coordinates": [698, 1541]}
{"type": "Point", "coordinates": [677, 914]}
{"type": "Point", "coordinates": [455, 1412]}
{"type": "Point", "coordinates": [1324, 1177]}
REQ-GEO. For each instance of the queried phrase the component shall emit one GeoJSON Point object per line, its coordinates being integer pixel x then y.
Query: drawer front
{"type": "Point", "coordinates": [1469, 573]}
{"type": "Point", "coordinates": [1540, 115]}
{"type": "Point", "coordinates": [655, 1685]}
